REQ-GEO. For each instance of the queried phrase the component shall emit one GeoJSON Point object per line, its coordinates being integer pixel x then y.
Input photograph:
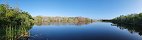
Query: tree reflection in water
{"type": "Point", "coordinates": [131, 28]}
{"type": "Point", "coordinates": [18, 32]}
{"type": "Point", "coordinates": [63, 23]}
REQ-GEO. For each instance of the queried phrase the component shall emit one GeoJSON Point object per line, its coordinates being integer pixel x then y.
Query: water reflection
{"type": "Point", "coordinates": [93, 31]}
{"type": "Point", "coordinates": [131, 28]}
{"type": "Point", "coordinates": [63, 23]}
{"type": "Point", "coordinates": [18, 32]}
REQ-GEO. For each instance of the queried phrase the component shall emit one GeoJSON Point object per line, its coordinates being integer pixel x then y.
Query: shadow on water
{"type": "Point", "coordinates": [132, 28]}
{"type": "Point", "coordinates": [18, 32]}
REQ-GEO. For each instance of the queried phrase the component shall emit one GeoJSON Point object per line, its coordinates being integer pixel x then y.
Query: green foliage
{"type": "Point", "coordinates": [15, 33]}
{"type": "Point", "coordinates": [129, 19]}
{"type": "Point", "coordinates": [11, 16]}
{"type": "Point", "coordinates": [39, 19]}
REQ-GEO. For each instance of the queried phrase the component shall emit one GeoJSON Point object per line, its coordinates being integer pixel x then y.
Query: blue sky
{"type": "Point", "coordinates": [95, 9]}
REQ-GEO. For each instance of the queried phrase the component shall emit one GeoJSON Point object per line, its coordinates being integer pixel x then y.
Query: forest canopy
{"type": "Point", "coordinates": [129, 19]}
{"type": "Point", "coordinates": [12, 16]}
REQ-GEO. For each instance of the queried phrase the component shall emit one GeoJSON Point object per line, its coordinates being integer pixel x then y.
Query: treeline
{"type": "Point", "coordinates": [128, 19]}
{"type": "Point", "coordinates": [131, 22]}
{"type": "Point", "coordinates": [39, 19]}
{"type": "Point", "coordinates": [12, 16]}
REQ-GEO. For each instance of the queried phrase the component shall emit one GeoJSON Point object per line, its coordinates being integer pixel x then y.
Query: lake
{"type": "Point", "coordinates": [85, 31]}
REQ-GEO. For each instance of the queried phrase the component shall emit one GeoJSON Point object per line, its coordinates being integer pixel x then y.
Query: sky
{"type": "Point", "coordinates": [95, 9]}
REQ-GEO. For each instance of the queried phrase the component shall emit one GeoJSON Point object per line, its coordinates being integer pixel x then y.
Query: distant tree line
{"type": "Point", "coordinates": [12, 16]}
{"type": "Point", "coordinates": [127, 19]}
{"type": "Point", "coordinates": [40, 19]}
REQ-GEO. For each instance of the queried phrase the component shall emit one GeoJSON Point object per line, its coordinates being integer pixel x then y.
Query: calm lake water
{"type": "Point", "coordinates": [92, 31]}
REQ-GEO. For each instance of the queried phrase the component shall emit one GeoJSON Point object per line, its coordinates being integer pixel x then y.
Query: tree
{"type": "Point", "coordinates": [129, 19]}
{"type": "Point", "coordinates": [11, 16]}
